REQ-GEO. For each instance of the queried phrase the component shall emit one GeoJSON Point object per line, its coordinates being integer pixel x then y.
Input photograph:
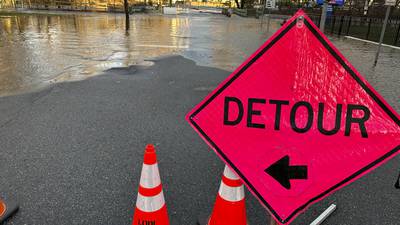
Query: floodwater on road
{"type": "Point", "coordinates": [39, 49]}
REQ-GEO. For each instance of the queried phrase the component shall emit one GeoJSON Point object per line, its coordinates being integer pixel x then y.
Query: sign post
{"type": "Point", "coordinates": [296, 121]}
{"type": "Point", "coordinates": [323, 16]}
{"type": "Point", "coordinates": [389, 4]}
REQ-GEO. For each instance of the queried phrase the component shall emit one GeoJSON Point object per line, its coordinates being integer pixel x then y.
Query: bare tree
{"type": "Point", "coordinates": [238, 5]}
{"type": "Point", "coordinates": [241, 4]}
{"type": "Point", "coordinates": [126, 14]}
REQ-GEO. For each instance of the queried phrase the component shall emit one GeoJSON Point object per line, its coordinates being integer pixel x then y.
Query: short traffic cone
{"type": "Point", "coordinates": [230, 206]}
{"type": "Point", "coordinates": [150, 204]}
{"type": "Point", "coordinates": [7, 209]}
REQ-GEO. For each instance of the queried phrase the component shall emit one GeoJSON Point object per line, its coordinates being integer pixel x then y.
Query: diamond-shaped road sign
{"type": "Point", "coordinates": [296, 121]}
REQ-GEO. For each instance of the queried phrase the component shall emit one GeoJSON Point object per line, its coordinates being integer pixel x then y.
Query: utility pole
{"type": "Point", "coordinates": [389, 4]}
{"type": "Point", "coordinates": [126, 7]}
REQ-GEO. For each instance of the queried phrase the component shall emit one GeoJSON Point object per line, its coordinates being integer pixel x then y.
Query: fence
{"type": "Point", "coordinates": [368, 28]}
{"type": "Point", "coordinates": [354, 23]}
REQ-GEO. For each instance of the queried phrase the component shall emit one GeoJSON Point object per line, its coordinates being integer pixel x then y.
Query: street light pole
{"type": "Point", "coordinates": [382, 34]}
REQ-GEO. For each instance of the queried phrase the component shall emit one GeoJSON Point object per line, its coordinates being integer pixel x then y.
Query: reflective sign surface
{"type": "Point", "coordinates": [296, 121]}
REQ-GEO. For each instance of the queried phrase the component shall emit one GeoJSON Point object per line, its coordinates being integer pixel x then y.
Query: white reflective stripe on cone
{"type": "Point", "coordinates": [232, 194]}
{"type": "Point", "coordinates": [229, 174]}
{"type": "Point", "coordinates": [150, 177]}
{"type": "Point", "coordinates": [150, 204]}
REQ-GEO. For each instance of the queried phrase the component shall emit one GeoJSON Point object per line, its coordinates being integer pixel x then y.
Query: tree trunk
{"type": "Point", "coordinates": [350, 5]}
{"type": "Point", "coordinates": [126, 14]}
{"type": "Point", "coordinates": [237, 4]}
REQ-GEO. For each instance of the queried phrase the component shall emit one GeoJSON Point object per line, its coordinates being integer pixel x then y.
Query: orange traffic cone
{"type": "Point", "coordinates": [230, 207]}
{"type": "Point", "coordinates": [150, 204]}
{"type": "Point", "coordinates": [7, 209]}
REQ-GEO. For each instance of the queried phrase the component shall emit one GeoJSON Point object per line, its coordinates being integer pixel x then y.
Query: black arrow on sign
{"type": "Point", "coordinates": [283, 173]}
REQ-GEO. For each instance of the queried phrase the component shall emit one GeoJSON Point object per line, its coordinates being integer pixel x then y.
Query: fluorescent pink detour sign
{"type": "Point", "coordinates": [296, 121]}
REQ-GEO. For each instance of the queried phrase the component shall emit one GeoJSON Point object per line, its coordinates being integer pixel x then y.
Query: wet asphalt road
{"type": "Point", "coordinates": [72, 153]}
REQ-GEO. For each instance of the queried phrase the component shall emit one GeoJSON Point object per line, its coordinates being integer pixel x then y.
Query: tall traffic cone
{"type": "Point", "coordinates": [7, 209]}
{"type": "Point", "coordinates": [230, 206]}
{"type": "Point", "coordinates": [150, 204]}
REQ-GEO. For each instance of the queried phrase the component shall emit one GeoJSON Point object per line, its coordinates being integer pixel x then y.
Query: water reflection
{"type": "Point", "coordinates": [36, 50]}
{"type": "Point", "coordinates": [39, 49]}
